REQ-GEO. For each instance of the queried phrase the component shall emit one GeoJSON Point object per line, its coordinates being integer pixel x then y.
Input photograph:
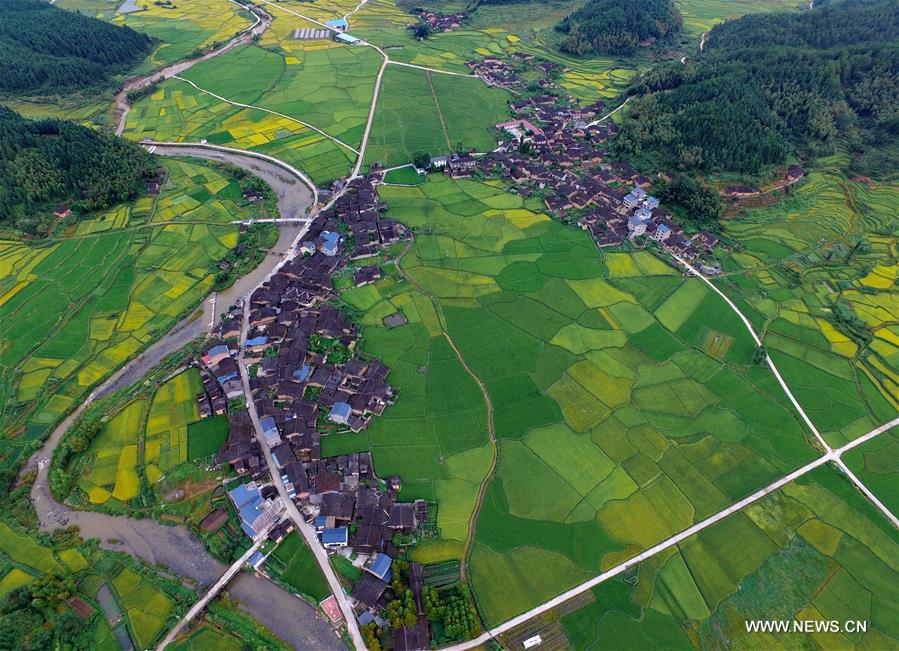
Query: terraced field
{"type": "Point", "coordinates": [625, 402]}
{"type": "Point", "coordinates": [73, 309]}
{"type": "Point", "coordinates": [815, 550]}
{"type": "Point", "coordinates": [833, 243]}
{"type": "Point", "coordinates": [183, 27]}
{"type": "Point", "coordinates": [701, 15]}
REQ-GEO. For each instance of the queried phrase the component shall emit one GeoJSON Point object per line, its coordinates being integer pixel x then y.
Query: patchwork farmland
{"type": "Point", "coordinates": [560, 408]}
{"type": "Point", "coordinates": [625, 400]}
{"type": "Point", "coordinates": [74, 309]}
{"type": "Point", "coordinates": [814, 548]}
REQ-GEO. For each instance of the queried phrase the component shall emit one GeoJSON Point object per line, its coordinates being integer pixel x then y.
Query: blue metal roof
{"type": "Point", "coordinates": [381, 566]}
{"type": "Point", "coordinates": [268, 425]}
{"type": "Point", "coordinates": [335, 536]}
{"type": "Point", "coordinates": [320, 521]}
{"type": "Point", "coordinates": [302, 374]}
{"type": "Point", "coordinates": [261, 340]}
{"type": "Point", "coordinates": [340, 410]}
{"type": "Point", "coordinates": [255, 559]}
{"type": "Point", "coordinates": [339, 23]}
{"type": "Point", "coordinates": [221, 349]}
{"type": "Point", "coordinates": [346, 38]}
{"type": "Point", "coordinates": [241, 495]}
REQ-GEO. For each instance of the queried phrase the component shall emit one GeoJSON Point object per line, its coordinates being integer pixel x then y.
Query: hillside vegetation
{"type": "Point", "coordinates": [773, 86]}
{"type": "Point", "coordinates": [47, 162]}
{"type": "Point", "coordinates": [617, 26]}
{"type": "Point", "coordinates": [45, 48]}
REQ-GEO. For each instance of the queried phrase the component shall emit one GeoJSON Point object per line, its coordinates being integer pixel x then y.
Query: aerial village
{"type": "Point", "coordinates": [308, 380]}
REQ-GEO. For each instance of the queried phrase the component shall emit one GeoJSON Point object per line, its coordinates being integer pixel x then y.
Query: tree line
{"type": "Point", "coordinates": [43, 48]}
{"type": "Point", "coordinates": [44, 163]}
{"type": "Point", "coordinates": [771, 87]}
{"type": "Point", "coordinates": [618, 26]}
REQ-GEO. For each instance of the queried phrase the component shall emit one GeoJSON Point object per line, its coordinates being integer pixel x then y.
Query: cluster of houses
{"type": "Point", "coordinates": [360, 209]}
{"type": "Point", "coordinates": [306, 378]}
{"type": "Point", "coordinates": [495, 72]}
{"type": "Point", "coordinates": [502, 74]}
{"type": "Point", "coordinates": [555, 148]}
{"type": "Point", "coordinates": [441, 22]}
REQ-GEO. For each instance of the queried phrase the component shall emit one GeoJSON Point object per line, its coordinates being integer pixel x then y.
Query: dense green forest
{"type": "Point", "coordinates": [617, 26]}
{"type": "Point", "coordinates": [772, 86]}
{"type": "Point", "coordinates": [47, 162]}
{"type": "Point", "coordinates": [44, 48]}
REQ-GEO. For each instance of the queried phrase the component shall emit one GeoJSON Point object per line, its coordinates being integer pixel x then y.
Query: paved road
{"type": "Point", "coordinates": [830, 455]}
{"type": "Point", "coordinates": [610, 113]}
{"type": "Point", "coordinates": [216, 587]}
{"type": "Point", "coordinates": [290, 618]}
{"type": "Point", "coordinates": [246, 36]}
{"type": "Point", "coordinates": [293, 512]}
{"type": "Point", "coordinates": [670, 542]}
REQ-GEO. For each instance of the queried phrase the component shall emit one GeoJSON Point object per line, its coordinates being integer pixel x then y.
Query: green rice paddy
{"type": "Point", "coordinates": [147, 607]}
{"type": "Point", "coordinates": [183, 27]}
{"type": "Point", "coordinates": [146, 440]}
{"type": "Point", "coordinates": [329, 89]}
{"type": "Point", "coordinates": [73, 309]}
{"type": "Point", "coordinates": [618, 423]}
{"type": "Point", "coordinates": [830, 242]}
{"type": "Point", "coordinates": [293, 564]}
{"type": "Point", "coordinates": [815, 550]}
{"type": "Point", "coordinates": [423, 111]}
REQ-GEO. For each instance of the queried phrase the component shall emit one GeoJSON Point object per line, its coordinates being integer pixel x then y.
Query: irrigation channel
{"type": "Point", "coordinates": [176, 548]}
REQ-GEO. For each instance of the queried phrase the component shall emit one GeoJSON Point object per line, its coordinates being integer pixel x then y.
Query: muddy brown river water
{"type": "Point", "coordinates": [176, 548]}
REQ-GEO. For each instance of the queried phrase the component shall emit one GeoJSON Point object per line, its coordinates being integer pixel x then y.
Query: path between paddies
{"type": "Point", "coordinates": [676, 539]}
{"type": "Point", "coordinates": [265, 110]}
{"type": "Point", "coordinates": [310, 535]}
{"type": "Point", "coordinates": [830, 455]}
{"type": "Point", "coordinates": [827, 448]}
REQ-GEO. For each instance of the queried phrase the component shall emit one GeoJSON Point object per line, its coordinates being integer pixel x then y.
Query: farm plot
{"type": "Point", "coordinates": [147, 607]}
{"type": "Point", "coordinates": [815, 550]}
{"type": "Point", "coordinates": [73, 310]}
{"type": "Point", "coordinates": [701, 15]}
{"type": "Point", "coordinates": [422, 111]}
{"type": "Point", "coordinates": [876, 463]}
{"type": "Point", "coordinates": [293, 564]}
{"type": "Point", "coordinates": [818, 277]}
{"type": "Point", "coordinates": [174, 407]}
{"type": "Point", "coordinates": [614, 431]}
{"type": "Point", "coordinates": [110, 472]}
{"type": "Point", "coordinates": [328, 89]}
{"type": "Point", "coordinates": [184, 27]}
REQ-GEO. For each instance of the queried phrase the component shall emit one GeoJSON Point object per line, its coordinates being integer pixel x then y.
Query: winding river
{"type": "Point", "coordinates": [176, 548]}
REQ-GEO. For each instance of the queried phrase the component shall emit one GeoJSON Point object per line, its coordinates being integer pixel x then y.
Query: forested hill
{"type": "Point", "coordinates": [839, 24]}
{"type": "Point", "coordinates": [44, 48]}
{"type": "Point", "coordinates": [48, 162]}
{"type": "Point", "coordinates": [618, 26]}
{"type": "Point", "coordinates": [771, 86]}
